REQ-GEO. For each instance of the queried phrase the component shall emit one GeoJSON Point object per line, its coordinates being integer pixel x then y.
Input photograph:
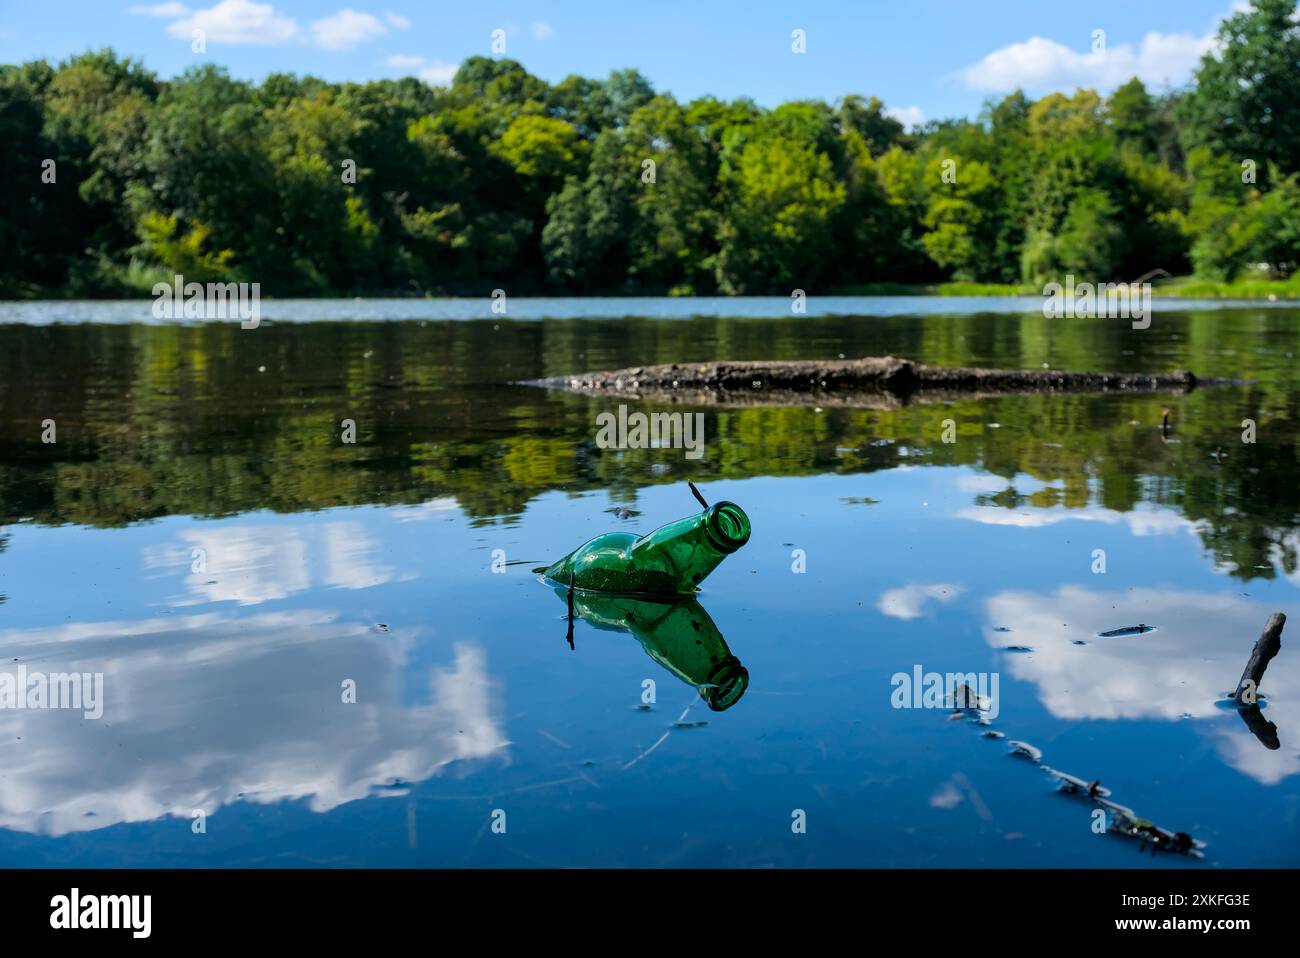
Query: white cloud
{"type": "Point", "coordinates": [982, 482]}
{"type": "Point", "coordinates": [347, 557]}
{"type": "Point", "coordinates": [909, 116]}
{"type": "Point", "coordinates": [438, 73]}
{"type": "Point", "coordinates": [542, 30]}
{"type": "Point", "coordinates": [244, 564]}
{"type": "Point", "coordinates": [238, 22]}
{"type": "Point", "coordinates": [215, 710]}
{"type": "Point", "coordinates": [909, 602]}
{"type": "Point", "coordinates": [166, 10]}
{"type": "Point", "coordinates": [346, 29]}
{"type": "Point", "coordinates": [246, 22]}
{"type": "Point", "coordinates": [1142, 521]}
{"type": "Point", "coordinates": [404, 61]}
{"type": "Point", "coordinates": [443, 506]}
{"type": "Point", "coordinates": [251, 564]}
{"type": "Point", "coordinates": [947, 797]}
{"type": "Point", "coordinates": [433, 72]}
{"type": "Point", "coordinates": [1039, 65]}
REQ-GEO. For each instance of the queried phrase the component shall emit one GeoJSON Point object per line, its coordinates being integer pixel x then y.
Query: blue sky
{"type": "Point", "coordinates": [925, 58]}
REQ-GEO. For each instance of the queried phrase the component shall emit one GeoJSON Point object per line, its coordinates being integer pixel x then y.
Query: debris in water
{"type": "Point", "coordinates": [1160, 839]}
{"type": "Point", "coordinates": [671, 561]}
{"type": "Point", "coordinates": [1025, 750]}
{"type": "Point", "coordinates": [1140, 629]}
{"type": "Point", "coordinates": [1073, 785]}
{"type": "Point", "coordinates": [1124, 821]}
{"type": "Point", "coordinates": [966, 699]}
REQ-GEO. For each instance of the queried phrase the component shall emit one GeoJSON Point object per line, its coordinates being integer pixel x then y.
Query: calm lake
{"type": "Point", "coordinates": [199, 533]}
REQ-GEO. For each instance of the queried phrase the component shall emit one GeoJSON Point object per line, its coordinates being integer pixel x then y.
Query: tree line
{"type": "Point", "coordinates": [117, 179]}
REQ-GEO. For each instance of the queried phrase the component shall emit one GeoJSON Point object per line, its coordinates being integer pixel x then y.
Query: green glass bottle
{"type": "Point", "coordinates": [679, 635]}
{"type": "Point", "coordinates": [671, 561]}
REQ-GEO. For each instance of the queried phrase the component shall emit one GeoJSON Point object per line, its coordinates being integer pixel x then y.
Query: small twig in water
{"type": "Point", "coordinates": [572, 575]}
{"type": "Point", "coordinates": [696, 493]}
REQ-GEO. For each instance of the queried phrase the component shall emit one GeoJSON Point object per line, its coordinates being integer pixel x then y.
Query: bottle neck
{"type": "Point", "coordinates": [722, 528]}
{"type": "Point", "coordinates": [694, 546]}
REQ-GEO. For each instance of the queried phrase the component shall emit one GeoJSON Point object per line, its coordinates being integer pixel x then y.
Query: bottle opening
{"type": "Point", "coordinates": [727, 683]}
{"type": "Point", "coordinates": [728, 526]}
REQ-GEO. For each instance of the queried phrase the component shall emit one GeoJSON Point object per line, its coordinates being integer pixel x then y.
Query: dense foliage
{"type": "Point", "coordinates": [586, 186]}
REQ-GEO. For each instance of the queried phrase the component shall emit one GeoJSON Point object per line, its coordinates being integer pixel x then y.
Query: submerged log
{"type": "Point", "coordinates": [1268, 645]}
{"type": "Point", "coordinates": [872, 381]}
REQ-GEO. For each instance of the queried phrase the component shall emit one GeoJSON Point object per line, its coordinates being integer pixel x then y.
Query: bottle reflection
{"type": "Point", "coordinates": [679, 635]}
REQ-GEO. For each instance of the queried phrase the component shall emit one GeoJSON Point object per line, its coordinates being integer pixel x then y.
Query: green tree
{"type": "Point", "coordinates": [777, 230]}
{"type": "Point", "coordinates": [585, 240]}
{"type": "Point", "coordinates": [1132, 117]}
{"type": "Point", "coordinates": [867, 117]}
{"type": "Point", "coordinates": [956, 213]}
{"type": "Point", "coordinates": [1222, 220]}
{"type": "Point", "coordinates": [1244, 101]}
{"type": "Point", "coordinates": [542, 150]}
{"type": "Point", "coordinates": [1089, 240]}
{"type": "Point", "coordinates": [37, 219]}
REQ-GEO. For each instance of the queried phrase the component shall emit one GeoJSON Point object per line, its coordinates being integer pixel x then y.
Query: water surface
{"type": "Point", "coordinates": [325, 563]}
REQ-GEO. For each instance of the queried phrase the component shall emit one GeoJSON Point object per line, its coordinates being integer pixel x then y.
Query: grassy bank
{"type": "Point", "coordinates": [1251, 288]}
{"type": "Point", "coordinates": [1186, 287]}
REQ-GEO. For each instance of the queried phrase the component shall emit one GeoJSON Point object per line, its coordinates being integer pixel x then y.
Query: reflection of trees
{"type": "Point", "coordinates": [162, 420]}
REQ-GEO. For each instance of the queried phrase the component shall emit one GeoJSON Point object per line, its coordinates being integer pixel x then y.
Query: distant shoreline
{"type": "Point", "coordinates": [1182, 287]}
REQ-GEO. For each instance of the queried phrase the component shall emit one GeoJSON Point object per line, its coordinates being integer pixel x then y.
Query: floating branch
{"type": "Point", "coordinates": [1268, 645]}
